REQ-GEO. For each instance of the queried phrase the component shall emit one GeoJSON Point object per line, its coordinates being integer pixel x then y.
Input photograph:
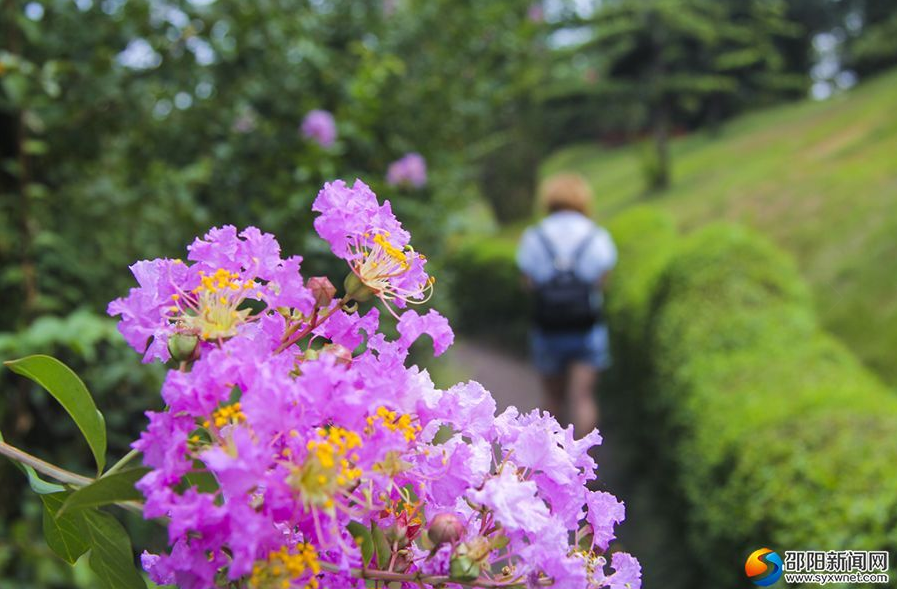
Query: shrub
{"type": "Point", "coordinates": [487, 292]}
{"type": "Point", "coordinates": [645, 240]}
{"type": "Point", "coordinates": [772, 431]}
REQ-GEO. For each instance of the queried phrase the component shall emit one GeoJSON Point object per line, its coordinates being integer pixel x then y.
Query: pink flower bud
{"type": "Point", "coordinates": [322, 289]}
{"type": "Point", "coordinates": [444, 528]}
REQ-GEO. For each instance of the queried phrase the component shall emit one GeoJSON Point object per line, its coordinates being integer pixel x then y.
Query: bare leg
{"type": "Point", "coordinates": [555, 387]}
{"type": "Point", "coordinates": [583, 382]}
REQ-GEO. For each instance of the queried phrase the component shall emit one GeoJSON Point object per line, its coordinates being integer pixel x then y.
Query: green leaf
{"type": "Point", "coordinates": [111, 557]}
{"type": "Point", "coordinates": [37, 484]}
{"type": "Point", "coordinates": [381, 546]}
{"type": "Point", "coordinates": [362, 533]}
{"type": "Point", "coordinates": [35, 147]}
{"type": "Point", "coordinates": [63, 534]}
{"type": "Point", "coordinates": [203, 480]}
{"type": "Point", "coordinates": [108, 489]}
{"type": "Point", "coordinates": [443, 434]}
{"type": "Point", "coordinates": [61, 382]}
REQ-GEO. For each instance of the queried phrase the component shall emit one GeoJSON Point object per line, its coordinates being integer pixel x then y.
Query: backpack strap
{"type": "Point", "coordinates": [549, 247]}
{"type": "Point", "coordinates": [581, 247]}
{"type": "Point", "coordinates": [584, 245]}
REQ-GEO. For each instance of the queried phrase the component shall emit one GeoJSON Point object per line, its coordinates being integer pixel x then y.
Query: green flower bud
{"type": "Point", "coordinates": [463, 568]}
{"type": "Point", "coordinates": [182, 346]}
{"type": "Point", "coordinates": [396, 532]}
{"type": "Point", "coordinates": [356, 289]}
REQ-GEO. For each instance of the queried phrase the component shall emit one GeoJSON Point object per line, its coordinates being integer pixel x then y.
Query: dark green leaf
{"type": "Point", "coordinates": [108, 489]}
{"type": "Point", "coordinates": [361, 533]}
{"type": "Point", "coordinates": [61, 382]}
{"type": "Point", "coordinates": [111, 557]}
{"type": "Point", "coordinates": [203, 480]}
{"type": "Point", "coordinates": [63, 534]}
{"type": "Point", "coordinates": [443, 434]}
{"type": "Point", "coordinates": [381, 547]}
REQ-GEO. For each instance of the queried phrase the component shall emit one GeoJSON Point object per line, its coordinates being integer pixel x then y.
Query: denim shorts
{"type": "Point", "coordinates": [554, 351]}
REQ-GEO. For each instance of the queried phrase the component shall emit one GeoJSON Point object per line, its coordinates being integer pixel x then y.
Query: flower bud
{"type": "Point", "coordinates": [463, 568]}
{"type": "Point", "coordinates": [396, 533]}
{"type": "Point", "coordinates": [182, 346]}
{"type": "Point", "coordinates": [445, 528]}
{"type": "Point", "coordinates": [356, 289]}
{"type": "Point", "coordinates": [342, 353]}
{"type": "Point", "coordinates": [322, 289]}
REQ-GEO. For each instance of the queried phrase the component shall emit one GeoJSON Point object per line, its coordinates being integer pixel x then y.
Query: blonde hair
{"type": "Point", "coordinates": [566, 192]}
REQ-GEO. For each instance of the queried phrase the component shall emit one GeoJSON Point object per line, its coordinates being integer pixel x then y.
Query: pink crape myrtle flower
{"type": "Point", "coordinates": [204, 298]}
{"type": "Point", "coordinates": [410, 170]}
{"type": "Point", "coordinates": [369, 237]}
{"type": "Point", "coordinates": [294, 428]}
{"type": "Point", "coordinates": [320, 126]}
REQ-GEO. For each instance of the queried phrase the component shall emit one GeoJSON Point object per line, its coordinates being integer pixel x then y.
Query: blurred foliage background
{"type": "Point", "coordinates": [127, 127]}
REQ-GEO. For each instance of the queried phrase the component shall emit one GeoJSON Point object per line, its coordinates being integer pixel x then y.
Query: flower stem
{"type": "Point", "coordinates": [51, 470]}
{"type": "Point", "coordinates": [121, 463]}
{"type": "Point", "coordinates": [316, 320]}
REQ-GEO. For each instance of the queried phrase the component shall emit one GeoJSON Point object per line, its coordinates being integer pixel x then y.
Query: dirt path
{"type": "Point", "coordinates": [510, 380]}
{"type": "Point", "coordinates": [513, 381]}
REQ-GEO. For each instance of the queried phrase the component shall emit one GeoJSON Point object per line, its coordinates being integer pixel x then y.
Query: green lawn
{"type": "Point", "coordinates": [819, 178]}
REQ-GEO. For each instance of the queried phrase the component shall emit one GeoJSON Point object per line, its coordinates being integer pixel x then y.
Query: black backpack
{"type": "Point", "coordinates": [565, 302]}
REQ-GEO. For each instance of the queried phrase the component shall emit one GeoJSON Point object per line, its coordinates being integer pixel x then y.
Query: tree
{"type": "Point", "coordinates": [688, 62]}
{"type": "Point", "coordinates": [871, 44]}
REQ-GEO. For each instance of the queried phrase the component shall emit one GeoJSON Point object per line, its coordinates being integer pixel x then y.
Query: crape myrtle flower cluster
{"type": "Point", "coordinates": [409, 170]}
{"type": "Point", "coordinates": [297, 450]}
{"type": "Point", "coordinates": [320, 126]}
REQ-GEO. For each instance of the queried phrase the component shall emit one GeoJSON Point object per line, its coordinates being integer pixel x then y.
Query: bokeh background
{"type": "Point", "coordinates": [742, 152]}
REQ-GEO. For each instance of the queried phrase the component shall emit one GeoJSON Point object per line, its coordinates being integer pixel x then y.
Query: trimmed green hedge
{"type": "Point", "coordinates": [772, 431]}
{"type": "Point", "coordinates": [487, 292]}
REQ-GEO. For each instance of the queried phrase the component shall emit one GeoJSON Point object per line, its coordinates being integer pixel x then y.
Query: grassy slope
{"type": "Point", "coordinates": [819, 178]}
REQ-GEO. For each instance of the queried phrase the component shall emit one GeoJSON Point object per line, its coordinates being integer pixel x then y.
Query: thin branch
{"type": "Point", "coordinates": [51, 470]}
{"type": "Point", "coordinates": [432, 580]}
{"type": "Point", "coordinates": [316, 321]}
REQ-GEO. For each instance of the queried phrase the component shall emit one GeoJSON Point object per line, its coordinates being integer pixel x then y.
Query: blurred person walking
{"type": "Point", "coordinates": [565, 260]}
